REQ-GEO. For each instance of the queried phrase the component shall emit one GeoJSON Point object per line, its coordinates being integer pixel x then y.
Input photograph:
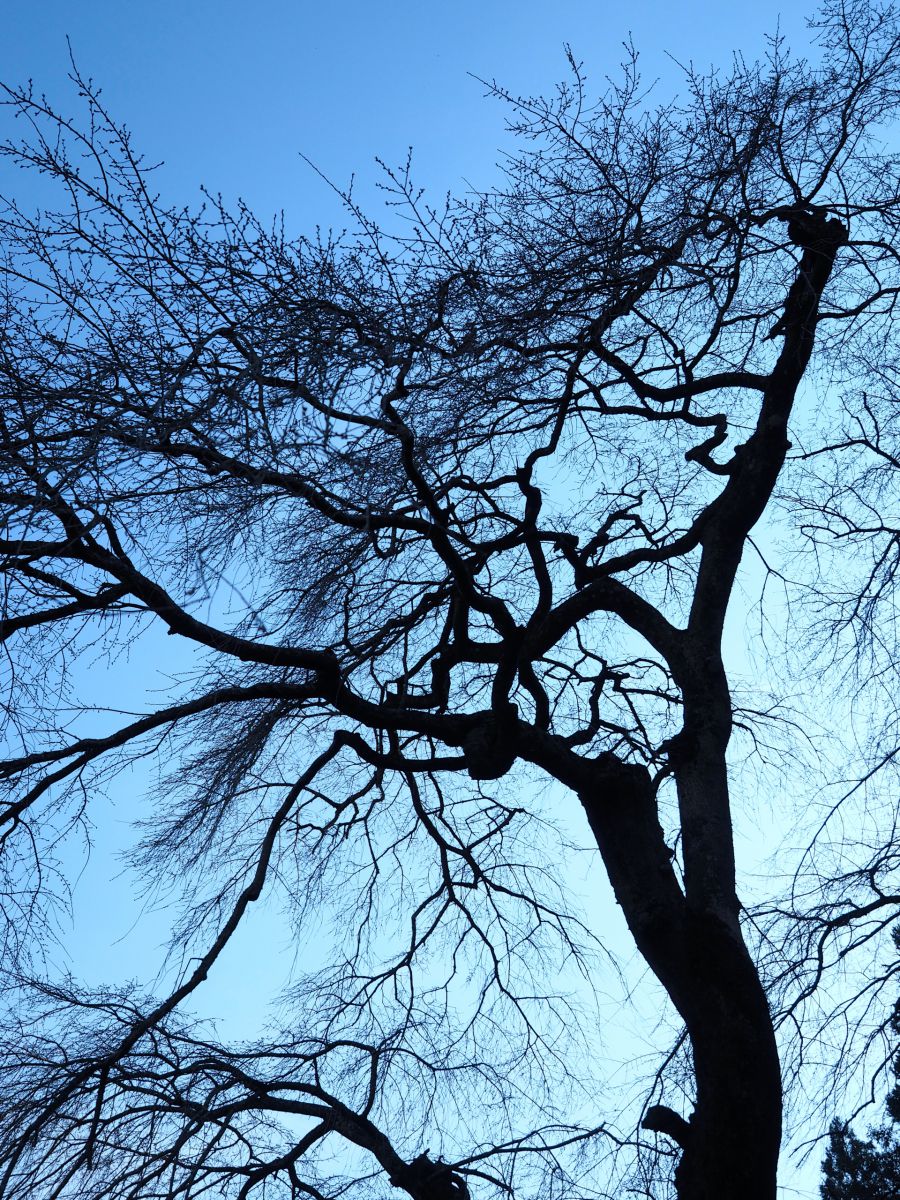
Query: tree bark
{"type": "Point", "coordinates": [731, 1141]}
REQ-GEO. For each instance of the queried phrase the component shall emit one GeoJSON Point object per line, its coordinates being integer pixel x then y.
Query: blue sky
{"type": "Point", "coordinates": [231, 94]}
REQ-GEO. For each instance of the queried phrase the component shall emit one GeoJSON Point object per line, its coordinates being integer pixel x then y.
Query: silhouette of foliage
{"type": "Point", "coordinates": [858, 1169]}
{"type": "Point", "coordinates": [855, 1169]}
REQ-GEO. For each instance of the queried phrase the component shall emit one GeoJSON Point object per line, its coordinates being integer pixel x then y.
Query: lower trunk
{"type": "Point", "coordinates": [732, 1151]}
{"type": "Point", "coordinates": [734, 1135]}
{"type": "Point", "coordinates": [730, 1143]}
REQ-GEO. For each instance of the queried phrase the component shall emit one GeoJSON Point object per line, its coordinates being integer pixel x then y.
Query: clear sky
{"type": "Point", "coordinates": [230, 93]}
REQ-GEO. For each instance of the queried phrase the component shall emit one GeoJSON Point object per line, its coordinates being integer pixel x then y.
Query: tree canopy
{"type": "Point", "coordinates": [484, 487]}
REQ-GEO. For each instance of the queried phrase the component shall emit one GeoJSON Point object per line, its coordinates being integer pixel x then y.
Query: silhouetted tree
{"type": "Point", "coordinates": [855, 1169]}
{"type": "Point", "coordinates": [858, 1169]}
{"type": "Point", "coordinates": [481, 488]}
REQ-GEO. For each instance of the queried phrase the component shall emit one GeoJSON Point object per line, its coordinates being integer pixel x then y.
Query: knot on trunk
{"type": "Point", "coordinates": [427, 1179]}
{"type": "Point", "coordinates": [490, 747]}
{"type": "Point", "coordinates": [815, 230]}
{"type": "Point", "coordinates": [627, 780]}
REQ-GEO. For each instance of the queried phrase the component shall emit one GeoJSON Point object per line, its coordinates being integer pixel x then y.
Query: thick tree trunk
{"type": "Point", "coordinates": [735, 1130]}
{"type": "Point", "coordinates": [731, 1141]}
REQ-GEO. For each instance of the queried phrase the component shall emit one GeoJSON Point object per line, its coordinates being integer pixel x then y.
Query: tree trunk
{"type": "Point", "coordinates": [735, 1131]}
{"type": "Point", "coordinates": [694, 946]}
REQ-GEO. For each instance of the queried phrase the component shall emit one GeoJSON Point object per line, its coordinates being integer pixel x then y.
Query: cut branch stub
{"type": "Point", "coordinates": [659, 1118]}
{"type": "Point", "coordinates": [425, 1179]}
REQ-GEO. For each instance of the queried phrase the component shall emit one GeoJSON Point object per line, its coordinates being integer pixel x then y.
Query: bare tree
{"type": "Point", "coordinates": [480, 486]}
